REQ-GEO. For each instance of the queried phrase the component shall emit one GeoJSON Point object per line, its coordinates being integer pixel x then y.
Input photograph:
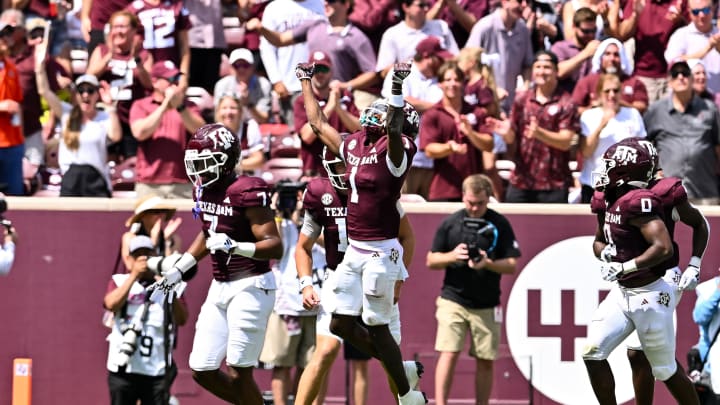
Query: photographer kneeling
{"type": "Point", "coordinates": [139, 360]}
{"type": "Point", "coordinates": [8, 241]}
{"type": "Point", "coordinates": [474, 245]}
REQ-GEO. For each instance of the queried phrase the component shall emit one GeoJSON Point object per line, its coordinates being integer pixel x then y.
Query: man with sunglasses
{"type": "Point", "coordinates": [686, 131]}
{"type": "Point", "coordinates": [252, 90]}
{"type": "Point", "coordinates": [160, 123]}
{"type": "Point", "coordinates": [698, 40]}
{"type": "Point", "coordinates": [575, 54]}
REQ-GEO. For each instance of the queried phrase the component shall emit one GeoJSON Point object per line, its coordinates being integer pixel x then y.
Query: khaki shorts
{"type": "Point", "coordinates": [284, 348]}
{"type": "Point", "coordinates": [454, 320]}
{"type": "Point", "coordinates": [173, 190]}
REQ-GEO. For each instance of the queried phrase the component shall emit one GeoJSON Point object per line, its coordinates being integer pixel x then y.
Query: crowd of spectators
{"type": "Point", "coordinates": [484, 91]}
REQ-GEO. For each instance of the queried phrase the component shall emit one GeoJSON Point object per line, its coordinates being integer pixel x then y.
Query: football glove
{"type": "Point", "coordinates": [608, 253]}
{"type": "Point", "coordinates": [304, 71]}
{"type": "Point", "coordinates": [220, 241]}
{"type": "Point", "coordinates": [611, 271]}
{"type": "Point", "coordinates": [165, 286]}
{"type": "Point", "coordinates": [689, 279]}
{"type": "Point", "coordinates": [400, 72]}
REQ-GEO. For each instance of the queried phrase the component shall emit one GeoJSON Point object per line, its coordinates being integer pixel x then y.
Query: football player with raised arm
{"type": "Point", "coordinates": [675, 207]}
{"type": "Point", "coordinates": [239, 232]}
{"type": "Point", "coordinates": [377, 159]}
{"type": "Point", "coordinates": [324, 201]}
{"type": "Point", "coordinates": [634, 244]}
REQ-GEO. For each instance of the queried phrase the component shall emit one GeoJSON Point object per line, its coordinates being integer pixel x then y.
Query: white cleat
{"type": "Point", "coordinates": [413, 398]}
{"type": "Point", "coordinates": [413, 370]}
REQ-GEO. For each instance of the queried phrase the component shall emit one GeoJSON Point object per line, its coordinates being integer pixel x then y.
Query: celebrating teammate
{"type": "Point", "coordinates": [675, 207]}
{"type": "Point", "coordinates": [634, 244]}
{"type": "Point", "coordinates": [239, 231]}
{"type": "Point", "coordinates": [377, 158]}
{"type": "Point", "coordinates": [324, 201]}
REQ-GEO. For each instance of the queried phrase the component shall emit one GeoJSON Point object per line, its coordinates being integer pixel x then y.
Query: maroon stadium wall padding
{"type": "Point", "coordinates": [52, 305]}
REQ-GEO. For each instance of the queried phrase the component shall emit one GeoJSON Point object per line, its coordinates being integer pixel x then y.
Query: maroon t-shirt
{"type": "Point", "coordinates": [652, 34]}
{"type": "Point", "coordinates": [438, 126]}
{"type": "Point", "coordinates": [328, 208]}
{"type": "Point", "coordinates": [101, 11]}
{"type": "Point", "coordinates": [122, 75]}
{"type": "Point", "coordinates": [631, 90]}
{"type": "Point", "coordinates": [311, 153]}
{"type": "Point", "coordinates": [32, 109]}
{"type": "Point", "coordinates": [374, 190]}
{"type": "Point", "coordinates": [161, 158]}
{"type": "Point", "coordinates": [39, 7]}
{"type": "Point", "coordinates": [628, 240]}
{"type": "Point", "coordinates": [224, 211]}
{"type": "Point", "coordinates": [160, 27]}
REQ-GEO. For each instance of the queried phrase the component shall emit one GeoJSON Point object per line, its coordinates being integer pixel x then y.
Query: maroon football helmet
{"type": "Point", "coordinates": [211, 154]}
{"type": "Point", "coordinates": [330, 162]}
{"type": "Point", "coordinates": [628, 162]}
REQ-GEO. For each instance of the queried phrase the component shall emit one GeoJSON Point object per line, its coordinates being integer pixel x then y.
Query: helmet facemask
{"type": "Point", "coordinates": [329, 162]}
{"type": "Point", "coordinates": [374, 117]}
{"type": "Point", "coordinates": [204, 167]}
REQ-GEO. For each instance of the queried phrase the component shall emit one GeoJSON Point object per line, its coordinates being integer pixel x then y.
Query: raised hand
{"type": "Point", "coordinates": [304, 71]}
{"type": "Point", "coordinates": [401, 70]}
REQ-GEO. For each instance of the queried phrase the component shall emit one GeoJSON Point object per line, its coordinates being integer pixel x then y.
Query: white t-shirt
{"type": "Point", "coordinates": [627, 123]}
{"type": "Point", "coordinates": [92, 149]}
{"type": "Point", "coordinates": [399, 41]}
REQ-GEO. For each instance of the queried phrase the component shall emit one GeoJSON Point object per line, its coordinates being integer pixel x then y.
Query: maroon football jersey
{"type": "Point", "coordinates": [327, 207]}
{"type": "Point", "coordinates": [223, 211]}
{"type": "Point", "coordinates": [671, 193]}
{"type": "Point", "coordinates": [628, 240]}
{"type": "Point", "coordinates": [374, 191]}
{"type": "Point", "coordinates": [160, 27]}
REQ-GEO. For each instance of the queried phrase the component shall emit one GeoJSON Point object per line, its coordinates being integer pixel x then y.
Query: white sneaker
{"type": "Point", "coordinates": [413, 370]}
{"type": "Point", "coordinates": [413, 398]}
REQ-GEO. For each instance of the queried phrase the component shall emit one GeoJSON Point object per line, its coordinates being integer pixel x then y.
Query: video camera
{"type": "Point", "coordinates": [478, 234]}
{"type": "Point", "coordinates": [287, 192]}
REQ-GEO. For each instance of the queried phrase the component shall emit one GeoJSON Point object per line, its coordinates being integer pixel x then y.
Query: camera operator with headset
{"type": "Point", "coordinates": [475, 246]}
{"type": "Point", "coordinates": [9, 239]}
{"type": "Point", "coordinates": [143, 333]}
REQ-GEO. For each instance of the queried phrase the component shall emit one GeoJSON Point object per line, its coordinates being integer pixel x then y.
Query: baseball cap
{"type": "Point", "coordinates": [165, 69]}
{"type": "Point", "coordinates": [140, 242]}
{"type": "Point", "coordinates": [320, 58]}
{"type": "Point", "coordinates": [89, 79]}
{"type": "Point", "coordinates": [678, 64]}
{"type": "Point", "coordinates": [241, 54]}
{"type": "Point", "coordinates": [34, 23]}
{"type": "Point", "coordinates": [431, 46]}
{"type": "Point", "coordinates": [694, 62]}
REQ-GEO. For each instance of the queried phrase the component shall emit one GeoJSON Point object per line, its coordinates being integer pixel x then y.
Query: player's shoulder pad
{"type": "Point", "coordinates": [639, 202]}
{"type": "Point", "coordinates": [670, 190]}
{"type": "Point", "coordinates": [249, 191]}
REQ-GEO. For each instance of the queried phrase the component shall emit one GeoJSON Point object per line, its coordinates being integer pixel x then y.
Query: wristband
{"type": "Point", "coordinates": [138, 61]}
{"type": "Point", "coordinates": [181, 108]}
{"type": "Point", "coordinates": [305, 281]}
{"type": "Point", "coordinates": [695, 261]}
{"type": "Point", "coordinates": [186, 262]}
{"type": "Point", "coordinates": [246, 249]}
{"type": "Point", "coordinates": [396, 100]}
{"type": "Point", "coordinates": [629, 266]}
